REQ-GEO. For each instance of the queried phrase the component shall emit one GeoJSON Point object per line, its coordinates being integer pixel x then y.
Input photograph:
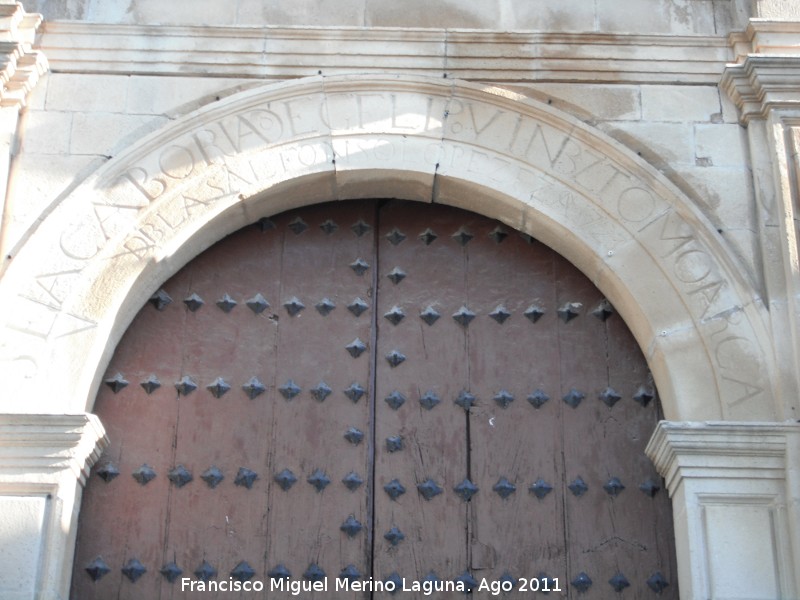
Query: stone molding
{"type": "Point", "coordinates": [292, 52]}
{"type": "Point", "coordinates": [761, 84]}
{"type": "Point", "coordinates": [736, 506]}
{"type": "Point", "coordinates": [20, 65]}
{"type": "Point", "coordinates": [766, 36]}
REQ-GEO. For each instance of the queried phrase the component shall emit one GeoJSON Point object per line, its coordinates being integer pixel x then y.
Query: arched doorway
{"type": "Point", "coordinates": [377, 389]}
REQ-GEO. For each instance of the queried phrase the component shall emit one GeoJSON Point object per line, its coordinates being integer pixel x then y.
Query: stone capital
{"type": "Point", "coordinates": [762, 83]}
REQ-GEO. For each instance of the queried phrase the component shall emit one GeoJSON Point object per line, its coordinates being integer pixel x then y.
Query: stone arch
{"type": "Point", "coordinates": [80, 278]}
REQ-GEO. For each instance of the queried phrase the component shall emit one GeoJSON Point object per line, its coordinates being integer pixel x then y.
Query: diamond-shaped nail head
{"type": "Point", "coordinates": [613, 487]}
{"type": "Point", "coordinates": [116, 383]}
{"type": "Point", "coordinates": [161, 299]}
{"type": "Point", "coordinates": [133, 570]}
{"type": "Point", "coordinates": [393, 583]}
{"type": "Point", "coordinates": [254, 388]}
{"type": "Point", "coordinates": [108, 472]}
{"type": "Point", "coordinates": [396, 275]}
{"type": "Point", "coordinates": [243, 571]}
{"type": "Point", "coordinates": [264, 224]}
{"type": "Point", "coordinates": [503, 398]}
{"type": "Point", "coordinates": [357, 307]}
{"type": "Point", "coordinates": [359, 266]}
{"type": "Point", "coordinates": [428, 236]}
{"type": "Point", "coordinates": [314, 573]}
{"type": "Point", "coordinates": [650, 488]}
{"type": "Point", "coordinates": [574, 397]}
{"type": "Point", "coordinates": [279, 572]}
{"type": "Point", "coordinates": [656, 582]}
{"type": "Point", "coordinates": [467, 580]}
{"type": "Point", "coordinates": [540, 488]}
{"type": "Point", "coordinates": [193, 302]}
{"type": "Point", "coordinates": [603, 310]}
{"type": "Point", "coordinates": [321, 391]}
{"type": "Point", "coordinates": [534, 313]}
{"type": "Point", "coordinates": [395, 236]}
{"type": "Point", "coordinates": [504, 488]}
{"type": "Point", "coordinates": [569, 311]}
{"type": "Point", "coordinates": [325, 306]}
{"type": "Point", "coordinates": [498, 234]}
{"type": "Point", "coordinates": [619, 582]}
{"type": "Point", "coordinates": [289, 389]}
{"type": "Point", "coordinates": [538, 398]}
{"type": "Point", "coordinates": [429, 315]}
{"type": "Point", "coordinates": [610, 397]}
{"type": "Point", "coordinates": [356, 348]}
{"type": "Point", "coordinates": [355, 392]}
{"type": "Point", "coordinates": [500, 314]}
{"type": "Point", "coordinates": [395, 400]}
{"type": "Point", "coordinates": [432, 577]}
{"type": "Point", "coordinates": [463, 316]}
{"type": "Point", "coordinates": [171, 571]}
{"type": "Point", "coordinates": [205, 571]}
{"type": "Point", "coordinates": [286, 479]}
{"type": "Point", "coordinates": [298, 226]}
{"type": "Point", "coordinates": [351, 526]}
{"type": "Point", "coordinates": [429, 400]}
{"type": "Point", "coordinates": [507, 577]}
{"type": "Point", "coordinates": [97, 569]}
{"type": "Point", "coordinates": [319, 480]}
{"type": "Point", "coordinates": [394, 489]}
{"type": "Point", "coordinates": [226, 303]}
{"type": "Point", "coordinates": [429, 489]}
{"type": "Point", "coordinates": [395, 358]}
{"type": "Point", "coordinates": [394, 536]}
{"type": "Point", "coordinates": [354, 436]}
{"type": "Point", "coordinates": [582, 582]}
{"type": "Point", "coordinates": [350, 574]}
{"type": "Point", "coordinates": [180, 476]}
{"type": "Point", "coordinates": [257, 304]}
{"type": "Point", "coordinates": [144, 474]}
{"type": "Point", "coordinates": [644, 395]}
{"type": "Point", "coordinates": [293, 306]}
{"type": "Point", "coordinates": [212, 476]}
{"type": "Point", "coordinates": [352, 481]}
{"type": "Point", "coordinates": [462, 236]}
{"type": "Point", "coordinates": [245, 478]}
{"type": "Point", "coordinates": [151, 384]}
{"type": "Point", "coordinates": [395, 315]}
{"type": "Point", "coordinates": [466, 490]}
{"type": "Point", "coordinates": [394, 443]}
{"type": "Point", "coordinates": [185, 386]}
{"type": "Point", "coordinates": [465, 400]}
{"type": "Point", "coordinates": [218, 387]}
{"type": "Point", "coordinates": [360, 227]}
{"type": "Point", "coordinates": [329, 226]}
{"type": "Point", "coordinates": [578, 487]}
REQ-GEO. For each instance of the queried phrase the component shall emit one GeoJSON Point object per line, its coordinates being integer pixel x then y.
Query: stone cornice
{"type": "Point", "coordinates": [765, 36]}
{"type": "Point", "coordinates": [49, 444]}
{"type": "Point", "coordinates": [20, 66]}
{"type": "Point", "coordinates": [762, 83]}
{"type": "Point", "coordinates": [290, 52]}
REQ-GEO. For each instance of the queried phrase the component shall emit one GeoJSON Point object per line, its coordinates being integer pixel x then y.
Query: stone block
{"type": "Point", "coordinates": [179, 95]}
{"type": "Point", "coordinates": [102, 133]}
{"type": "Point", "coordinates": [661, 144]}
{"type": "Point", "coordinates": [679, 17]}
{"type": "Point", "coordinates": [680, 103]}
{"type": "Point", "coordinates": [21, 536]}
{"type": "Point", "coordinates": [593, 101]}
{"type": "Point", "coordinates": [544, 15]}
{"type": "Point", "coordinates": [316, 13]}
{"type": "Point", "coordinates": [721, 145]}
{"type": "Point", "coordinates": [88, 93]}
{"type": "Point", "coordinates": [447, 14]}
{"type": "Point", "coordinates": [46, 132]}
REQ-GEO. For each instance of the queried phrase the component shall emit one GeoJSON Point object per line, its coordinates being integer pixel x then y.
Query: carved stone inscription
{"type": "Point", "coordinates": [100, 239]}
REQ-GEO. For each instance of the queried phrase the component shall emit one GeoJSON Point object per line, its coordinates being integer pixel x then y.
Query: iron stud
{"type": "Point", "coordinates": [507, 577]}
{"type": "Point", "coordinates": [150, 384]}
{"type": "Point", "coordinates": [289, 389]}
{"type": "Point", "coordinates": [160, 299]}
{"type": "Point", "coordinates": [656, 582]}
{"type": "Point", "coordinates": [467, 580]}
{"type": "Point", "coordinates": [428, 236]}
{"type": "Point", "coordinates": [185, 386]}
{"type": "Point", "coordinates": [212, 476]}
{"type": "Point", "coordinates": [226, 303]}
{"type": "Point", "coordinates": [171, 571]}
{"type": "Point", "coordinates": [429, 489]}
{"type": "Point", "coordinates": [462, 236]}
{"type": "Point", "coordinates": [603, 310]}
{"type": "Point", "coordinates": [359, 266]}
{"type": "Point", "coordinates": [352, 481]}
{"type": "Point", "coordinates": [396, 275]}
{"type": "Point", "coordinates": [578, 487]}
{"type": "Point", "coordinates": [610, 397]}
{"type": "Point", "coordinates": [279, 572]}
{"type": "Point", "coordinates": [582, 582]}
{"type": "Point", "coordinates": [394, 536]}
{"type": "Point", "coordinates": [293, 306]}
{"type": "Point", "coordinates": [108, 472]}
{"type": "Point", "coordinates": [650, 487]}
{"type": "Point", "coordinates": [574, 397]}
{"type": "Point", "coordinates": [286, 479]}
{"type": "Point", "coordinates": [504, 488]}
{"type": "Point", "coordinates": [144, 474]}
{"type": "Point", "coordinates": [97, 569]}
{"type": "Point", "coordinates": [329, 226]}
{"type": "Point", "coordinates": [395, 315]}
{"type": "Point", "coordinates": [503, 398]}
{"type": "Point", "coordinates": [396, 581]}
{"type": "Point", "coordinates": [116, 383]}
{"type": "Point", "coordinates": [180, 476]}
{"type": "Point", "coordinates": [466, 490]}
{"type": "Point", "coordinates": [432, 577]}
{"type": "Point", "coordinates": [395, 400]}
{"type": "Point", "coordinates": [613, 487]}
{"type": "Point", "coordinates": [257, 304]}
{"type": "Point", "coordinates": [644, 395]}
{"type": "Point", "coordinates": [354, 436]}
{"type": "Point", "coordinates": [351, 526]}
{"type": "Point", "coordinates": [357, 307]}
{"type": "Point", "coordinates": [218, 387]}
{"type": "Point", "coordinates": [314, 573]}
{"type": "Point", "coordinates": [321, 391]}
{"type": "Point", "coordinates": [205, 571]}
{"type": "Point", "coordinates": [265, 224]}
{"type": "Point", "coordinates": [245, 478]}
{"type": "Point", "coordinates": [298, 226]}
{"type": "Point", "coordinates": [498, 234]}
{"type": "Point", "coordinates": [538, 399]}
{"type": "Point", "coordinates": [429, 400]}
{"type": "Point", "coordinates": [193, 302]}
{"type": "Point", "coordinates": [243, 571]}
{"type": "Point", "coordinates": [429, 315]}
{"type": "Point", "coordinates": [465, 400]}
{"type": "Point", "coordinates": [395, 236]}
{"type": "Point", "coordinates": [500, 314]}
{"type": "Point", "coordinates": [463, 316]}
{"type": "Point", "coordinates": [254, 388]}
{"type": "Point", "coordinates": [534, 313]}
{"type": "Point", "coordinates": [360, 227]}
{"type": "Point", "coordinates": [394, 443]}
{"type": "Point", "coordinates": [394, 489]}
{"type": "Point", "coordinates": [355, 392]}
{"type": "Point", "coordinates": [319, 480]}
{"type": "Point", "coordinates": [395, 358]}
{"type": "Point", "coordinates": [133, 569]}
{"type": "Point", "coordinates": [325, 306]}
{"type": "Point", "coordinates": [540, 488]}
{"type": "Point", "coordinates": [619, 582]}
{"type": "Point", "coordinates": [569, 311]}
{"type": "Point", "coordinates": [356, 348]}
{"type": "Point", "coordinates": [350, 574]}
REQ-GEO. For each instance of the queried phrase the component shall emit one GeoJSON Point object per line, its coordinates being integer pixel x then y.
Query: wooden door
{"type": "Point", "coordinates": [377, 391]}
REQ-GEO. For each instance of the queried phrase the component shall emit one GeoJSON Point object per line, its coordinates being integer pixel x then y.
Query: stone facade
{"type": "Point", "coordinates": [653, 143]}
